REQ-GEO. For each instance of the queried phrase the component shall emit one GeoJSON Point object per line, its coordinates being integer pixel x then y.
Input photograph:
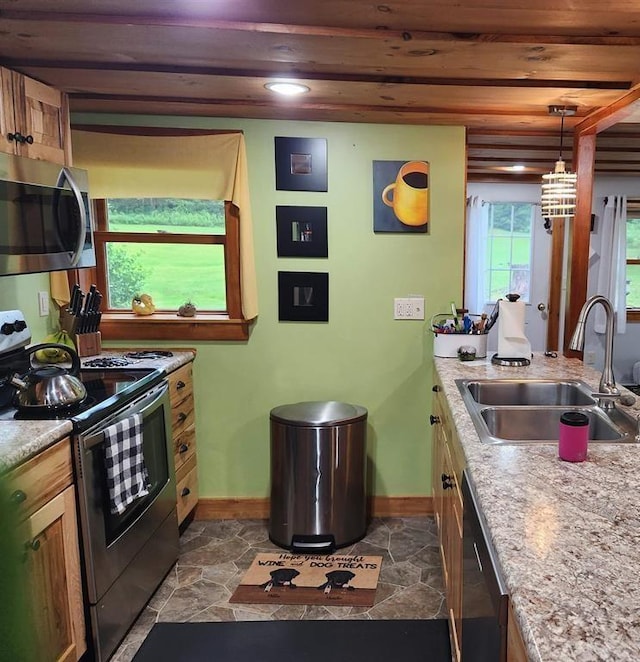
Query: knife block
{"type": "Point", "coordinates": [89, 344]}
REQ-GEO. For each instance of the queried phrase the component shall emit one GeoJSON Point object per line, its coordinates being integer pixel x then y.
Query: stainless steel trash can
{"type": "Point", "coordinates": [318, 476]}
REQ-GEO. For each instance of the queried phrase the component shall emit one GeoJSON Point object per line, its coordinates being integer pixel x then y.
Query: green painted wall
{"type": "Point", "coordinates": [362, 355]}
{"type": "Point", "coordinates": [21, 293]}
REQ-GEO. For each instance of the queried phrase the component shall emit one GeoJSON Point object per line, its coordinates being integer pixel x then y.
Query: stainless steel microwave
{"type": "Point", "coordinates": [45, 217]}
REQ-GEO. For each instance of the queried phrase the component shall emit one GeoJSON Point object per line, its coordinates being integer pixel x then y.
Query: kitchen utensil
{"type": "Point", "coordinates": [49, 387]}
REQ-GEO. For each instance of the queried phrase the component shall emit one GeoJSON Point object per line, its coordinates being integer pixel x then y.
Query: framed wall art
{"type": "Point", "coordinates": [303, 296]}
{"type": "Point", "coordinates": [301, 231]}
{"type": "Point", "coordinates": [401, 196]}
{"type": "Point", "coordinates": [301, 164]}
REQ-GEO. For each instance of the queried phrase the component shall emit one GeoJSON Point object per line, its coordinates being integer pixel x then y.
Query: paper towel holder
{"type": "Point", "coordinates": [518, 362]}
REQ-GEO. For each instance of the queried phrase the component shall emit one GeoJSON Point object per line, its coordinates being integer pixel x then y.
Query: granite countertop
{"type": "Point", "coordinates": [21, 440]}
{"type": "Point", "coordinates": [567, 535]}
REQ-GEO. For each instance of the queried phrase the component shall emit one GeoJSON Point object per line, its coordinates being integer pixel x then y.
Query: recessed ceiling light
{"type": "Point", "coordinates": [287, 88]}
{"type": "Point", "coordinates": [517, 168]}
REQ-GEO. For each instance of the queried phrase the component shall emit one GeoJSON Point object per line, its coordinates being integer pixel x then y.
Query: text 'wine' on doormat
{"type": "Point", "coordinates": [305, 579]}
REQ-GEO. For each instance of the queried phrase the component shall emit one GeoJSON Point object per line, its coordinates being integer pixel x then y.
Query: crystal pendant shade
{"type": "Point", "coordinates": [558, 193]}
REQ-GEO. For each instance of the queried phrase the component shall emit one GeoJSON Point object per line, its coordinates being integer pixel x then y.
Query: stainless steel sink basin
{"type": "Point", "coordinates": [530, 392]}
{"type": "Point", "coordinates": [542, 424]}
{"type": "Point", "coordinates": [517, 411]}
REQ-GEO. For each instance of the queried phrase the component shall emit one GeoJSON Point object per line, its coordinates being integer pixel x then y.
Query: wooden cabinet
{"type": "Point", "coordinates": [184, 439]}
{"type": "Point", "coordinates": [516, 650]}
{"type": "Point", "coordinates": [34, 119]}
{"type": "Point", "coordinates": [447, 466]}
{"type": "Point", "coordinates": [42, 491]}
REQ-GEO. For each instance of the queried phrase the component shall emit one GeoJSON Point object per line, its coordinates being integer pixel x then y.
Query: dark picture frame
{"type": "Point", "coordinates": [303, 296]}
{"type": "Point", "coordinates": [301, 164]}
{"type": "Point", "coordinates": [301, 231]}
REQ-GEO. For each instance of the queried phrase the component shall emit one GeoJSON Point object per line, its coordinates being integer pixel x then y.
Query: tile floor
{"type": "Point", "coordinates": [214, 556]}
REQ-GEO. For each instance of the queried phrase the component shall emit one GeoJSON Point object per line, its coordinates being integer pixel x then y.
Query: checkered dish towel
{"type": "Point", "coordinates": [127, 476]}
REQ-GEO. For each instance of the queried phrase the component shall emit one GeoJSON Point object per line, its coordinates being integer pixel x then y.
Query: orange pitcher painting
{"type": "Point", "coordinates": [401, 196]}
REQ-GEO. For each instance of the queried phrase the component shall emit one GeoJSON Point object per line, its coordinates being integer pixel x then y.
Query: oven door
{"type": "Point", "coordinates": [111, 541]}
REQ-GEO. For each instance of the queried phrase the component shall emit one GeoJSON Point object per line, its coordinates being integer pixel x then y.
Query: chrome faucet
{"type": "Point", "coordinates": [607, 389]}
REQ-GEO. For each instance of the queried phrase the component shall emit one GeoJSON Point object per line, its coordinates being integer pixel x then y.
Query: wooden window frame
{"type": "Point", "coordinates": [166, 325]}
{"type": "Point", "coordinates": [633, 314]}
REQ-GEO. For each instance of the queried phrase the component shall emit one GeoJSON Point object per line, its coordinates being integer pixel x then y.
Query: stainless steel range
{"type": "Point", "coordinates": [125, 555]}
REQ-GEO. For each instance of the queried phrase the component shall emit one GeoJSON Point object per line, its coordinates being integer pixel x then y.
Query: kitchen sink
{"type": "Point", "coordinates": [517, 411]}
{"type": "Point", "coordinates": [542, 423]}
{"type": "Point", "coordinates": [530, 392]}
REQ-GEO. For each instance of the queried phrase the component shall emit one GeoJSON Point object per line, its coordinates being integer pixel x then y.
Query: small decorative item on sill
{"type": "Point", "coordinates": [467, 353]}
{"type": "Point", "coordinates": [187, 310]}
{"type": "Point", "coordinates": [142, 304]}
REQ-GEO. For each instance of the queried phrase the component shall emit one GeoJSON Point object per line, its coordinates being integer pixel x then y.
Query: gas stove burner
{"type": "Point", "coordinates": [106, 362]}
{"type": "Point", "coordinates": [149, 354]}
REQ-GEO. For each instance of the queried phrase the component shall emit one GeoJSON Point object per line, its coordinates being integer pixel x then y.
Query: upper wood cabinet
{"type": "Point", "coordinates": [34, 119]}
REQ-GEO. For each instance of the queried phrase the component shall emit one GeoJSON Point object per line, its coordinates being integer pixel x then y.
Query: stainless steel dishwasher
{"type": "Point", "coordinates": [484, 596]}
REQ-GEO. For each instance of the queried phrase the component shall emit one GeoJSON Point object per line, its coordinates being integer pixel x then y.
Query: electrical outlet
{"type": "Point", "coordinates": [408, 308]}
{"type": "Point", "coordinates": [43, 303]}
{"type": "Point", "coordinates": [590, 358]}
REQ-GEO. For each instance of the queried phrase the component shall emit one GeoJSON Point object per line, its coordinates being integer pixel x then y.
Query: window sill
{"type": "Point", "coordinates": [633, 315]}
{"type": "Point", "coordinates": [168, 326]}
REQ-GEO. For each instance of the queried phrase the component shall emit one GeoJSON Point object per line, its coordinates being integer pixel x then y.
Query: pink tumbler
{"type": "Point", "coordinates": [574, 436]}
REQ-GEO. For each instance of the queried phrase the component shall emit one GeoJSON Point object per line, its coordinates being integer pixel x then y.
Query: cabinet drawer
{"type": "Point", "coordinates": [180, 385]}
{"type": "Point", "coordinates": [187, 492]}
{"type": "Point", "coordinates": [41, 478]}
{"type": "Point", "coordinates": [184, 448]}
{"type": "Point", "coordinates": [182, 418]}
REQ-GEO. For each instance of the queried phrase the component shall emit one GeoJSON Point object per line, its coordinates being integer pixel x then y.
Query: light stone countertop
{"type": "Point", "coordinates": [21, 440]}
{"type": "Point", "coordinates": [567, 535]}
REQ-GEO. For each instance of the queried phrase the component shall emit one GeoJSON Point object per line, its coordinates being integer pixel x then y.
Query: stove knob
{"type": "Point", "coordinates": [19, 325]}
{"type": "Point", "coordinates": [7, 329]}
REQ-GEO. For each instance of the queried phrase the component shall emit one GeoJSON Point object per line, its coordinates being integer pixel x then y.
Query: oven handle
{"type": "Point", "coordinates": [143, 405]}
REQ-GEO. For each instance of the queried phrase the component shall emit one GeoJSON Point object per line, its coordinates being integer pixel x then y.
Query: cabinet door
{"type": "Point", "coordinates": [54, 584]}
{"type": "Point", "coordinates": [7, 119]}
{"type": "Point", "coordinates": [42, 112]}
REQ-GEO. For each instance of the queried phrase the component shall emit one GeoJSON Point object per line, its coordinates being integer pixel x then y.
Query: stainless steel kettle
{"type": "Point", "coordinates": [50, 387]}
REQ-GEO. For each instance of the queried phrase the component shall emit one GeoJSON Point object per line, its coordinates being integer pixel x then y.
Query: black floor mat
{"type": "Point", "coordinates": [302, 641]}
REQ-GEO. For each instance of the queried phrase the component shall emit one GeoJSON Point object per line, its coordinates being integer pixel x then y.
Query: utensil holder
{"type": "Point", "coordinates": [88, 344]}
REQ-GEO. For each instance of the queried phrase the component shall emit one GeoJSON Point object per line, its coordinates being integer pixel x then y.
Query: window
{"type": "Point", "coordinates": [173, 221]}
{"type": "Point", "coordinates": [509, 250]}
{"type": "Point", "coordinates": [173, 273]}
{"type": "Point", "coordinates": [633, 259]}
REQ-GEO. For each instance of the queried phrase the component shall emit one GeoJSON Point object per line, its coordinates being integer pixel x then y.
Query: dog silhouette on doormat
{"type": "Point", "coordinates": [280, 578]}
{"type": "Point", "coordinates": [337, 579]}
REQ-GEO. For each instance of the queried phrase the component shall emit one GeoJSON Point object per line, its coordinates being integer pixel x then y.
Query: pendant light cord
{"type": "Point", "coordinates": [561, 132]}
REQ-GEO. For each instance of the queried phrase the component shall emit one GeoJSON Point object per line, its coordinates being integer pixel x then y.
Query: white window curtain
{"type": "Point", "coordinates": [612, 269]}
{"type": "Point", "coordinates": [190, 166]}
{"type": "Point", "coordinates": [475, 255]}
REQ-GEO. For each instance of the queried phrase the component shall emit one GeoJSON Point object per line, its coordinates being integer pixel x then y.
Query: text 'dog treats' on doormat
{"type": "Point", "coordinates": [304, 579]}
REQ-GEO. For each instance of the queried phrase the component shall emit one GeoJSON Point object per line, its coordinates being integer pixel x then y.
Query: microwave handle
{"type": "Point", "coordinates": [66, 174]}
{"type": "Point", "coordinates": [141, 406]}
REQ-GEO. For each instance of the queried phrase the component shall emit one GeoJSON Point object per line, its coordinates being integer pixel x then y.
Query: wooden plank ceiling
{"type": "Point", "coordinates": [493, 66]}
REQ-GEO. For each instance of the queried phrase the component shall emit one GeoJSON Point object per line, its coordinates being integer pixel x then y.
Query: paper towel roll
{"type": "Point", "coordinates": [512, 343]}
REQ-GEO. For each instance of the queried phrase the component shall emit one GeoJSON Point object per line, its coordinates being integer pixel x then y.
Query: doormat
{"type": "Point", "coordinates": [305, 579]}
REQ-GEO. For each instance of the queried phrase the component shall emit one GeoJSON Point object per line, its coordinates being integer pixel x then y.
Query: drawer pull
{"type": "Point", "coordinates": [185, 492]}
{"type": "Point", "coordinates": [32, 544]}
{"type": "Point", "coordinates": [180, 384]}
{"type": "Point", "coordinates": [18, 497]}
{"type": "Point", "coordinates": [447, 482]}
{"type": "Point", "coordinates": [182, 417]}
{"type": "Point", "coordinates": [434, 419]}
{"type": "Point", "coordinates": [183, 448]}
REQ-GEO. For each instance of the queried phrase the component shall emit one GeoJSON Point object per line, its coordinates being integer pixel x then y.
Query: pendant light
{"type": "Point", "coordinates": [559, 186]}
